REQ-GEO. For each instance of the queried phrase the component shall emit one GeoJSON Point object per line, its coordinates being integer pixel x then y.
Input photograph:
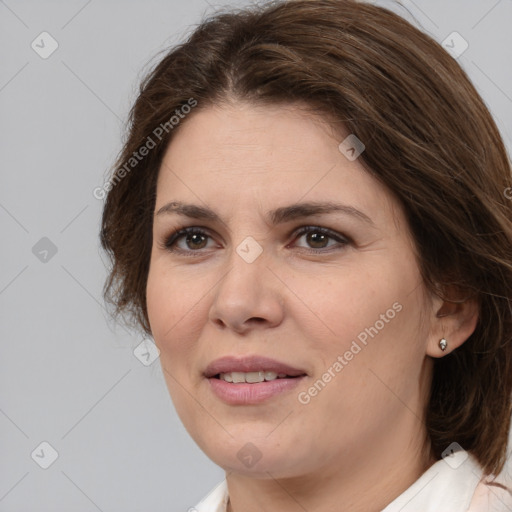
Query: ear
{"type": "Point", "coordinates": [454, 321]}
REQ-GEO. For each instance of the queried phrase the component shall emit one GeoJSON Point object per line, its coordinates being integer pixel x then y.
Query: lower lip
{"type": "Point", "coordinates": [245, 394]}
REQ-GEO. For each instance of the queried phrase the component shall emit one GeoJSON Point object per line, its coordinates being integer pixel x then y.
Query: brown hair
{"type": "Point", "coordinates": [429, 138]}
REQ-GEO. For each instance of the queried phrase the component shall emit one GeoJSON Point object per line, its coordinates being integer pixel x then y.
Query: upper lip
{"type": "Point", "coordinates": [250, 364]}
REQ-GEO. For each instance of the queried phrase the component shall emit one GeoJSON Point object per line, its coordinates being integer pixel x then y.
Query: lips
{"type": "Point", "coordinates": [240, 375]}
{"type": "Point", "coordinates": [248, 364]}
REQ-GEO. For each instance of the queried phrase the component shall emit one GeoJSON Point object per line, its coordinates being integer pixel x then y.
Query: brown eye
{"type": "Point", "coordinates": [195, 239]}
{"type": "Point", "coordinates": [318, 238]}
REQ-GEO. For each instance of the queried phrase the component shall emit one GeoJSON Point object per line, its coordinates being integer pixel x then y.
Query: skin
{"type": "Point", "coordinates": [361, 441]}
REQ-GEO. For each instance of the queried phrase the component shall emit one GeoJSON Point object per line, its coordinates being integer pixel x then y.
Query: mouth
{"type": "Point", "coordinates": [251, 369]}
{"type": "Point", "coordinates": [253, 377]}
{"type": "Point", "coordinates": [251, 380]}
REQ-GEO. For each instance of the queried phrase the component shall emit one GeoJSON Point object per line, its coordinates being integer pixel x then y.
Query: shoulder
{"type": "Point", "coordinates": [491, 496]}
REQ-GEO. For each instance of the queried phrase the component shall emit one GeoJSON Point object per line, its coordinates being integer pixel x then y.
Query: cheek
{"type": "Point", "coordinates": [381, 360]}
{"type": "Point", "coordinates": [173, 316]}
{"type": "Point", "coordinates": [170, 296]}
{"type": "Point", "coordinates": [339, 306]}
{"type": "Point", "coordinates": [171, 306]}
{"type": "Point", "coordinates": [372, 315]}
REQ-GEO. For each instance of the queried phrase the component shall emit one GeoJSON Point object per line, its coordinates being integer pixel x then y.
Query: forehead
{"type": "Point", "coordinates": [241, 157]}
{"type": "Point", "coordinates": [262, 133]}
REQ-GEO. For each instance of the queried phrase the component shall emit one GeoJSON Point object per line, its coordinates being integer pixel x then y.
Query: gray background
{"type": "Point", "coordinates": [69, 376]}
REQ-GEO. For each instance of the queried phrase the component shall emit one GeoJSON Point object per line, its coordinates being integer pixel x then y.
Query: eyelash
{"type": "Point", "coordinates": [170, 241]}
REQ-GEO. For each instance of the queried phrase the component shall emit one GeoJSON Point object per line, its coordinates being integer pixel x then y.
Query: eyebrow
{"type": "Point", "coordinates": [274, 217]}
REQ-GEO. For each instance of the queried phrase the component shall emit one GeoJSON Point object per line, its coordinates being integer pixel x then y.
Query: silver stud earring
{"type": "Point", "coordinates": [443, 344]}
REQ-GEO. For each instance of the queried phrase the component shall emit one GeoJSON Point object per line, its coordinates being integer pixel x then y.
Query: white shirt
{"type": "Point", "coordinates": [452, 484]}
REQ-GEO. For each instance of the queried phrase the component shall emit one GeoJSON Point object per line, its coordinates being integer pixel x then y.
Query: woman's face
{"type": "Point", "coordinates": [337, 309]}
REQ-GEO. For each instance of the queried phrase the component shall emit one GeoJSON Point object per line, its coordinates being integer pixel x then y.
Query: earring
{"type": "Point", "coordinates": [443, 344]}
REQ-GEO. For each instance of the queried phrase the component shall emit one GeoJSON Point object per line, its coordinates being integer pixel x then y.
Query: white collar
{"type": "Point", "coordinates": [215, 501]}
{"type": "Point", "coordinates": [447, 486]}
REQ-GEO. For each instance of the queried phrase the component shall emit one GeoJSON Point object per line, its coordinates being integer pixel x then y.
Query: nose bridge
{"type": "Point", "coordinates": [249, 236]}
{"type": "Point", "coordinates": [248, 289]}
{"type": "Point", "coordinates": [247, 266]}
{"type": "Point", "coordinates": [248, 239]}
{"type": "Point", "coordinates": [250, 250]}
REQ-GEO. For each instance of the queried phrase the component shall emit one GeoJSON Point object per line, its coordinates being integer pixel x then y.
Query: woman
{"type": "Point", "coordinates": [309, 217]}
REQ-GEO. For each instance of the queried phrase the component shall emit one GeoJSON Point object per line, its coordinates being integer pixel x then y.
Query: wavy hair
{"type": "Point", "coordinates": [429, 138]}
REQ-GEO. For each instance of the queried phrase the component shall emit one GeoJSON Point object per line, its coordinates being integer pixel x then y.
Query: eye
{"type": "Point", "coordinates": [196, 239]}
{"type": "Point", "coordinates": [317, 237]}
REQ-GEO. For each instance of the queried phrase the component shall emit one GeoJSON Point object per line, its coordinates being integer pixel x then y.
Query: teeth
{"type": "Point", "coordinates": [250, 377]}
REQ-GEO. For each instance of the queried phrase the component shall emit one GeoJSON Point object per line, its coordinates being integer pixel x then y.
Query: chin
{"type": "Point", "coordinates": [258, 458]}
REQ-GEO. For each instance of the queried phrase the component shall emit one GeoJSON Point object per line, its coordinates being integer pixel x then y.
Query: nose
{"type": "Point", "coordinates": [249, 295]}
